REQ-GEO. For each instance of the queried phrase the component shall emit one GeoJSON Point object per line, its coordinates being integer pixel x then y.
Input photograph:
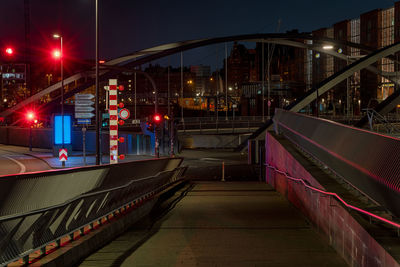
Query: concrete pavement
{"type": "Point", "coordinates": [222, 224]}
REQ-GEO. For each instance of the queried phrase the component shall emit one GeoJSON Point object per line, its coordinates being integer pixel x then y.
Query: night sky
{"type": "Point", "coordinates": [130, 25]}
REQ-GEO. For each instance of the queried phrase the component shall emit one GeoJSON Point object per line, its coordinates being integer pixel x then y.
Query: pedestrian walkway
{"type": "Point", "coordinates": [222, 224]}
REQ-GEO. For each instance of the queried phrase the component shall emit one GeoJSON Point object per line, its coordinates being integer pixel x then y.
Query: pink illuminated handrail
{"type": "Point", "coordinates": [396, 225]}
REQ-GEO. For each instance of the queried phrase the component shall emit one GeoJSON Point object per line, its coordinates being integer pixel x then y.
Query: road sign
{"type": "Point", "coordinates": [63, 154]}
{"type": "Point", "coordinates": [124, 114]}
{"type": "Point", "coordinates": [82, 109]}
{"type": "Point", "coordinates": [84, 96]}
{"type": "Point", "coordinates": [84, 115]}
{"type": "Point", "coordinates": [84, 102]}
{"type": "Point", "coordinates": [84, 121]}
{"type": "Point", "coordinates": [83, 106]}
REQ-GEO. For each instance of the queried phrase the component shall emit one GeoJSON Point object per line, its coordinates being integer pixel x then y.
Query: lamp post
{"type": "Point", "coordinates": [98, 120]}
{"type": "Point", "coordinates": [58, 36]}
{"type": "Point", "coordinates": [317, 56]}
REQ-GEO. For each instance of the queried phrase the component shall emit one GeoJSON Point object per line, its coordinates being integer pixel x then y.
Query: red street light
{"type": "Point", "coordinates": [9, 51]}
{"type": "Point", "coordinates": [56, 54]}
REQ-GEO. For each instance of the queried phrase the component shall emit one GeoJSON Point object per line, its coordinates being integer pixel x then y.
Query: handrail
{"type": "Point", "coordinates": [359, 156]}
{"type": "Point", "coordinates": [396, 225]}
{"type": "Point", "coordinates": [24, 232]}
{"type": "Point", "coordinates": [37, 211]}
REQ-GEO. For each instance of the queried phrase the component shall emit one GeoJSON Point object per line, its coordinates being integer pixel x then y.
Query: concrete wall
{"type": "Point", "coordinates": [192, 141]}
{"type": "Point", "coordinates": [342, 231]}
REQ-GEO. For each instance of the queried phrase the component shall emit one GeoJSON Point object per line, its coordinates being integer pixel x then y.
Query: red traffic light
{"type": "Point", "coordinates": [9, 51]}
{"type": "Point", "coordinates": [157, 118]}
{"type": "Point", "coordinates": [31, 116]}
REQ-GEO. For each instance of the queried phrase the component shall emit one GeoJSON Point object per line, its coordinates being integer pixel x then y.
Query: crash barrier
{"type": "Point", "coordinates": [366, 160]}
{"type": "Point", "coordinates": [44, 207]}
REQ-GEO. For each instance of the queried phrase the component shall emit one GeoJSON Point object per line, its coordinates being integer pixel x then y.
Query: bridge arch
{"type": "Point", "coordinates": [150, 54]}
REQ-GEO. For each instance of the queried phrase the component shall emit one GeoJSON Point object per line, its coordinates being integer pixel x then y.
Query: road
{"type": "Point", "coordinates": [13, 160]}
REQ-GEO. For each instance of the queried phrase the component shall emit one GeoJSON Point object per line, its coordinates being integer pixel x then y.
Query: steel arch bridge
{"type": "Point", "coordinates": [295, 40]}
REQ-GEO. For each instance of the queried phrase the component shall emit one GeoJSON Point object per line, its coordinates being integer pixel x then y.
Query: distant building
{"type": "Point", "coordinates": [202, 79]}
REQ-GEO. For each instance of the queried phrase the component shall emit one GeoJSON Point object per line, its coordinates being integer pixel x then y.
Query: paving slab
{"type": "Point", "coordinates": [223, 224]}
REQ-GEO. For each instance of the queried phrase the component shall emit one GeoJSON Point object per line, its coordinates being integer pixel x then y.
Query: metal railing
{"type": "Point", "coordinates": [366, 160]}
{"type": "Point", "coordinates": [231, 125]}
{"type": "Point", "coordinates": [305, 184]}
{"type": "Point", "coordinates": [24, 232]}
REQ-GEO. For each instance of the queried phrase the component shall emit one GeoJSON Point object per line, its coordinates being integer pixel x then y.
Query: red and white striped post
{"type": "Point", "coordinates": [113, 111]}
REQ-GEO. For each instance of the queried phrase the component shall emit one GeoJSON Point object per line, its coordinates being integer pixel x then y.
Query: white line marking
{"type": "Point", "coordinates": [22, 166]}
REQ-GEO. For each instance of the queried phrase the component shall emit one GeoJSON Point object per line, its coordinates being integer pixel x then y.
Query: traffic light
{"type": "Point", "coordinates": [9, 51]}
{"type": "Point", "coordinates": [30, 116]}
{"type": "Point", "coordinates": [157, 119]}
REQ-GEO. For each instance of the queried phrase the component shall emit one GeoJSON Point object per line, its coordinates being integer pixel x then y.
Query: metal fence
{"type": "Point", "coordinates": [231, 124]}
{"type": "Point", "coordinates": [368, 161]}
{"type": "Point", "coordinates": [25, 229]}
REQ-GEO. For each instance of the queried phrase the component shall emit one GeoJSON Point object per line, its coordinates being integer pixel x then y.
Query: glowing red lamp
{"type": "Point", "coordinates": [157, 118]}
{"type": "Point", "coordinates": [30, 116]}
{"type": "Point", "coordinates": [9, 51]}
{"type": "Point", "coordinates": [56, 54]}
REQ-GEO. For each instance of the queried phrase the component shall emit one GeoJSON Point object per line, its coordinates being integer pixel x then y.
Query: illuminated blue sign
{"type": "Point", "coordinates": [58, 129]}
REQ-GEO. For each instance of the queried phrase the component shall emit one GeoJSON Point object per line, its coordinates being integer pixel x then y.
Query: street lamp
{"type": "Point", "coordinates": [61, 56]}
{"type": "Point", "coordinates": [98, 120]}
{"type": "Point", "coordinates": [317, 56]}
{"type": "Point", "coordinates": [327, 47]}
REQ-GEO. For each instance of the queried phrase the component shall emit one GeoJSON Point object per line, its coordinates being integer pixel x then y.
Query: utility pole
{"type": "Point", "coordinates": [226, 82]}
{"type": "Point", "coordinates": [182, 120]}
{"type": "Point", "coordinates": [97, 106]}
{"type": "Point", "coordinates": [263, 77]}
{"type": "Point", "coordinates": [27, 47]}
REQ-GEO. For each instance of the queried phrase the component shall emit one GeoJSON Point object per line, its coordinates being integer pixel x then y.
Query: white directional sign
{"type": "Point", "coordinates": [86, 115]}
{"type": "Point", "coordinates": [80, 109]}
{"type": "Point", "coordinates": [84, 96]}
{"type": "Point", "coordinates": [84, 106]}
{"type": "Point", "coordinates": [84, 102]}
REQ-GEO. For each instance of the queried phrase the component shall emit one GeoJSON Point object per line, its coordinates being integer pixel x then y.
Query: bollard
{"type": "Point", "coordinates": [223, 172]}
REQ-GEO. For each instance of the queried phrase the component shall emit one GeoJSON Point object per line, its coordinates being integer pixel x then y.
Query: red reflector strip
{"type": "Point", "coordinates": [114, 117]}
{"type": "Point", "coordinates": [113, 107]}
{"type": "Point", "coordinates": [113, 87]}
{"type": "Point", "coordinates": [113, 127]}
{"type": "Point", "coordinates": [113, 97]}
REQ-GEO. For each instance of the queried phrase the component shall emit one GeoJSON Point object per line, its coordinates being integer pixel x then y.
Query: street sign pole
{"type": "Point", "coordinates": [84, 144]}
